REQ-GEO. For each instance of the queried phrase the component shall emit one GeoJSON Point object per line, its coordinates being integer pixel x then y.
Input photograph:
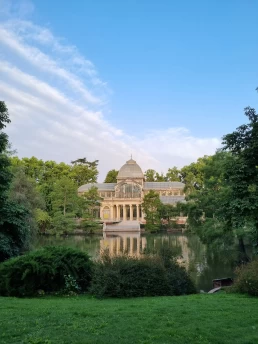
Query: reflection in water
{"type": "Point", "coordinates": [131, 243]}
{"type": "Point", "coordinates": [203, 263]}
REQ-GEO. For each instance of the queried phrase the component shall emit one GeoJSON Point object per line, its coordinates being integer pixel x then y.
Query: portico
{"type": "Point", "coordinates": [123, 211]}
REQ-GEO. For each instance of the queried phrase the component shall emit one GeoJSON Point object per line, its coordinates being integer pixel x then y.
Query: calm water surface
{"type": "Point", "coordinates": [204, 264]}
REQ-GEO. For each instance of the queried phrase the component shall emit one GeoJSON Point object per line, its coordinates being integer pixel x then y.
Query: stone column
{"type": "Point", "coordinates": [131, 212]}
{"type": "Point", "coordinates": [117, 213]}
{"type": "Point", "coordinates": [112, 212]}
{"type": "Point", "coordinates": [124, 212]}
{"type": "Point", "coordinates": [137, 212]}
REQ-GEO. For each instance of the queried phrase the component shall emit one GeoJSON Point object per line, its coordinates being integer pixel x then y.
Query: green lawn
{"type": "Point", "coordinates": [218, 318]}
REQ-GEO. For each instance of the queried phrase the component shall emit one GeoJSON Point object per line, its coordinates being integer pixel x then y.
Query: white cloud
{"type": "Point", "coordinates": [57, 104]}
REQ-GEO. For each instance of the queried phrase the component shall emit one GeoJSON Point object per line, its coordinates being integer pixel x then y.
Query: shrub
{"type": "Point", "coordinates": [179, 281]}
{"type": "Point", "coordinates": [246, 280]}
{"type": "Point", "coordinates": [124, 276]}
{"type": "Point", "coordinates": [45, 270]}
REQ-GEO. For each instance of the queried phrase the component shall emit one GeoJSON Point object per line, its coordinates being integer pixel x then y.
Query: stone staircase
{"type": "Point", "coordinates": [123, 226]}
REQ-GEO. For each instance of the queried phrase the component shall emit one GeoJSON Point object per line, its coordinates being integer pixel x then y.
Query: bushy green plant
{"type": "Point", "coordinates": [246, 280]}
{"type": "Point", "coordinates": [45, 270]}
{"type": "Point", "coordinates": [178, 278]}
{"type": "Point", "coordinates": [125, 276]}
{"type": "Point", "coordinates": [71, 285]}
{"type": "Point", "coordinates": [179, 281]}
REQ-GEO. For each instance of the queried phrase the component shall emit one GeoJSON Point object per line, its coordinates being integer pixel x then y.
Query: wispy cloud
{"type": "Point", "coordinates": [58, 102]}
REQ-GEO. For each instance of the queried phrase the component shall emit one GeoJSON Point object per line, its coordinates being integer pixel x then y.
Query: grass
{"type": "Point", "coordinates": [217, 318]}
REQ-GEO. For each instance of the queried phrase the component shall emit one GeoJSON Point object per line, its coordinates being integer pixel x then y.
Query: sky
{"type": "Point", "coordinates": [161, 80]}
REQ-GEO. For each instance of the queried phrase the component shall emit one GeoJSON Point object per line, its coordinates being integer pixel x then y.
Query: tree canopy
{"type": "Point", "coordinates": [111, 176]}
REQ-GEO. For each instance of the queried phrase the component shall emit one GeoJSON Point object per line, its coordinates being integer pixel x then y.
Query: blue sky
{"type": "Point", "coordinates": [161, 79]}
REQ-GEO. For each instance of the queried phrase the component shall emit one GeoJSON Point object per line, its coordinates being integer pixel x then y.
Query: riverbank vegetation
{"type": "Point", "coordinates": [49, 270]}
{"type": "Point", "coordinates": [63, 270]}
{"type": "Point", "coordinates": [195, 319]}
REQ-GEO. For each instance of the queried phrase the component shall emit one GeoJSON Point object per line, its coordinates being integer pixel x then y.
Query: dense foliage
{"type": "Point", "coordinates": [151, 206]}
{"type": "Point", "coordinates": [246, 280]}
{"type": "Point", "coordinates": [57, 184]}
{"type": "Point", "coordinates": [150, 275]}
{"type": "Point", "coordinates": [159, 215]}
{"type": "Point", "coordinates": [45, 270]}
{"type": "Point", "coordinates": [15, 229]}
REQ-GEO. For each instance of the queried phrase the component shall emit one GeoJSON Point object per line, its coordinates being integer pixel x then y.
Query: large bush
{"type": "Point", "coordinates": [124, 276]}
{"type": "Point", "coordinates": [46, 269]}
{"type": "Point", "coordinates": [246, 280]}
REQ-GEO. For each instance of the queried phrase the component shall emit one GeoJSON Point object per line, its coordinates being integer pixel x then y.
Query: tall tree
{"type": "Point", "coordinates": [23, 191]}
{"type": "Point", "coordinates": [84, 171]}
{"type": "Point", "coordinates": [242, 174]}
{"type": "Point", "coordinates": [90, 209]}
{"type": "Point", "coordinates": [111, 176]}
{"type": "Point", "coordinates": [151, 206]}
{"type": "Point", "coordinates": [14, 228]}
{"type": "Point", "coordinates": [64, 196]}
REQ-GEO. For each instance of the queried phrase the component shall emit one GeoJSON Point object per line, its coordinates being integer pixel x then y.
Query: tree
{"type": "Point", "coordinates": [153, 176]}
{"type": "Point", "coordinates": [43, 220]}
{"type": "Point", "coordinates": [14, 227]}
{"type": "Point", "coordinates": [46, 173]}
{"type": "Point", "coordinates": [206, 204]}
{"type": "Point", "coordinates": [160, 177]}
{"type": "Point", "coordinates": [173, 174]}
{"type": "Point", "coordinates": [192, 175]}
{"type": "Point", "coordinates": [64, 196]}
{"type": "Point", "coordinates": [90, 207]}
{"type": "Point", "coordinates": [169, 212]}
{"type": "Point", "coordinates": [4, 117]}
{"type": "Point", "coordinates": [151, 206]}
{"type": "Point", "coordinates": [225, 206]}
{"type": "Point", "coordinates": [111, 176]}
{"type": "Point", "coordinates": [242, 175]}
{"type": "Point", "coordinates": [23, 192]}
{"type": "Point", "coordinates": [150, 175]}
{"type": "Point", "coordinates": [63, 223]}
{"type": "Point", "coordinates": [91, 202]}
{"type": "Point", "coordinates": [84, 171]}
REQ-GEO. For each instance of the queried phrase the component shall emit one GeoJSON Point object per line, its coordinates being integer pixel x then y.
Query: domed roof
{"type": "Point", "coordinates": [130, 170]}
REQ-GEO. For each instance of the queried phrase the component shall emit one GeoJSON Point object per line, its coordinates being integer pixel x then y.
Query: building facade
{"type": "Point", "coordinates": [122, 201]}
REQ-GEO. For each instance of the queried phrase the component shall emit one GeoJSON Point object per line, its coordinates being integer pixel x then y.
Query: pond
{"type": "Point", "coordinates": [202, 262]}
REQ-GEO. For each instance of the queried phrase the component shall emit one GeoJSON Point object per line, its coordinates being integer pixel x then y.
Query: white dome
{"type": "Point", "coordinates": [130, 170]}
